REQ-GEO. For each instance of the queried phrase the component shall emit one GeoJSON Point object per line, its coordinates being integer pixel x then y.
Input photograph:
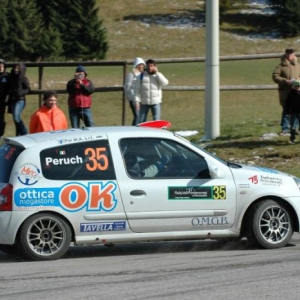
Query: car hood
{"type": "Point", "coordinates": [254, 168]}
{"type": "Point", "coordinates": [264, 180]}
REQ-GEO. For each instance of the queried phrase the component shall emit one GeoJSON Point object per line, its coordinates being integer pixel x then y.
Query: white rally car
{"type": "Point", "coordinates": [107, 185]}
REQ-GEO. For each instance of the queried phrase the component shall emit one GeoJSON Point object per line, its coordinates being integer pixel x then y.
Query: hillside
{"type": "Point", "coordinates": [176, 28]}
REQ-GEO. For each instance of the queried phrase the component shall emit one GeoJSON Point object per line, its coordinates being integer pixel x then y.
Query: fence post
{"type": "Point", "coordinates": [41, 71]}
{"type": "Point", "coordinates": [123, 94]}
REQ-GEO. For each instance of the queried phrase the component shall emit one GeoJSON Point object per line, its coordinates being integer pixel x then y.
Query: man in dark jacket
{"type": "Point", "coordinates": [283, 75]}
{"type": "Point", "coordinates": [292, 107]}
{"type": "Point", "coordinates": [80, 91]}
{"type": "Point", "coordinates": [4, 89]}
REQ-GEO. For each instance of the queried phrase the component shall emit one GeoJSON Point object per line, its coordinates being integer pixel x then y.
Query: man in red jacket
{"type": "Point", "coordinates": [80, 91]}
{"type": "Point", "coordinates": [48, 117]}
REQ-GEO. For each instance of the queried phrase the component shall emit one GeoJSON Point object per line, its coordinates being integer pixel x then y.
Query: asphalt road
{"type": "Point", "coordinates": [180, 270]}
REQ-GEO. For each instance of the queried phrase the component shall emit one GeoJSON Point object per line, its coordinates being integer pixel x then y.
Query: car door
{"type": "Point", "coordinates": [81, 177]}
{"type": "Point", "coordinates": [178, 193]}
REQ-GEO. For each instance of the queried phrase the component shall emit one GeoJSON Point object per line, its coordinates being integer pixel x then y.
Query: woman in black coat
{"type": "Point", "coordinates": [19, 88]}
{"type": "Point", "coordinates": [4, 90]}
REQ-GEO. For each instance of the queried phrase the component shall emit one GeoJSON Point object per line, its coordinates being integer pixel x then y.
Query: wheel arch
{"type": "Point", "coordinates": [247, 214]}
{"type": "Point", "coordinates": [54, 213]}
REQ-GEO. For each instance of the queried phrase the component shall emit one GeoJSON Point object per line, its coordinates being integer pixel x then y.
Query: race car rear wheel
{"type": "Point", "coordinates": [271, 225]}
{"type": "Point", "coordinates": [44, 237]}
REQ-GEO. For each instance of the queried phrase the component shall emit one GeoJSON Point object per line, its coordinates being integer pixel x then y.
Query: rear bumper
{"type": "Point", "coordinates": [5, 228]}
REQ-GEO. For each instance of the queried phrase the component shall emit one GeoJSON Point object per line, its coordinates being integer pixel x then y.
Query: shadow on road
{"type": "Point", "coordinates": [146, 248]}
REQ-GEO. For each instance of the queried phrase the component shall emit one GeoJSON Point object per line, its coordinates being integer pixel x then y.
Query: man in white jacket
{"type": "Point", "coordinates": [148, 91]}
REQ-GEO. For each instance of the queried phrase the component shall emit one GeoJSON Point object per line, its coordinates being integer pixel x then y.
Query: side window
{"type": "Point", "coordinates": [141, 157]}
{"type": "Point", "coordinates": [82, 161]}
{"type": "Point", "coordinates": [8, 156]}
{"type": "Point", "coordinates": [190, 164]}
{"type": "Point", "coordinates": [160, 158]}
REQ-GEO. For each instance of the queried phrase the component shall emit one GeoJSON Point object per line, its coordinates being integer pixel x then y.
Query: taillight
{"type": "Point", "coordinates": [6, 191]}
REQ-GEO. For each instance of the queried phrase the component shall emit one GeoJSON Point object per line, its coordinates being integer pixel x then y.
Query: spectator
{"type": "Point", "coordinates": [48, 117]}
{"type": "Point", "coordinates": [283, 75]}
{"type": "Point", "coordinates": [131, 79]}
{"type": "Point", "coordinates": [292, 107]}
{"type": "Point", "coordinates": [148, 91]}
{"type": "Point", "coordinates": [4, 90]}
{"type": "Point", "coordinates": [19, 88]}
{"type": "Point", "coordinates": [80, 91]}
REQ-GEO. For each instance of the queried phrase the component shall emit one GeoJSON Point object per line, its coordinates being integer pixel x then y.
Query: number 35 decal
{"type": "Point", "coordinates": [219, 192]}
{"type": "Point", "coordinates": [97, 159]}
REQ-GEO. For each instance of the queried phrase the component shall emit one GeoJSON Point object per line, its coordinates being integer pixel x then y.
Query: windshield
{"type": "Point", "coordinates": [202, 149]}
{"type": "Point", "coordinates": [8, 156]}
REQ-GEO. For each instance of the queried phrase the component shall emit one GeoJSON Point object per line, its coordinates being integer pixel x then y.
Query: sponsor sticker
{"type": "Point", "coordinates": [103, 226]}
{"type": "Point", "coordinates": [254, 179]}
{"type": "Point", "coordinates": [29, 174]}
{"type": "Point", "coordinates": [210, 221]}
{"type": "Point", "coordinates": [216, 192]}
{"type": "Point", "coordinates": [77, 139]}
{"type": "Point", "coordinates": [270, 180]}
{"type": "Point", "coordinates": [244, 186]}
{"type": "Point", "coordinates": [77, 160]}
{"type": "Point", "coordinates": [266, 180]}
{"type": "Point", "coordinates": [71, 197]}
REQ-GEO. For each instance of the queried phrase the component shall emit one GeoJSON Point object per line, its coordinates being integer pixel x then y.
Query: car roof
{"type": "Point", "coordinates": [73, 135]}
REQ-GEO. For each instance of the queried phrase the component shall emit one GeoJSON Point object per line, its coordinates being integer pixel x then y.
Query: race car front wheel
{"type": "Point", "coordinates": [44, 237]}
{"type": "Point", "coordinates": [271, 226]}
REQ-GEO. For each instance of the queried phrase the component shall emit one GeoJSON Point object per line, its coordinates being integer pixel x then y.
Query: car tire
{"type": "Point", "coordinates": [270, 225]}
{"type": "Point", "coordinates": [44, 237]}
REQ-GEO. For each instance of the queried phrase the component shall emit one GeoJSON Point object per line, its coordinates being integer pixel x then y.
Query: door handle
{"type": "Point", "coordinates": [137, 193]}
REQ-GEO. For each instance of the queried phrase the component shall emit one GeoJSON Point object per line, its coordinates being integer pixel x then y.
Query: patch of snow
{"type": "Point", "coordinates": [252, 11]}
{"type": "Point", "coordinates": [258, 7]}
{"type": "Point", "coordinates": [275, 37]}
{"type": "Point", "coordinates": [187, 132]}
{"type": "Point", "coordinates": [269, 136]}
{"type": "Point", "coordinates": [171, 22]}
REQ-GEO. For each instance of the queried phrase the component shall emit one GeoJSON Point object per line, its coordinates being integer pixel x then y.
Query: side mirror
{"type": "Point", "coordinates": [215, 172]}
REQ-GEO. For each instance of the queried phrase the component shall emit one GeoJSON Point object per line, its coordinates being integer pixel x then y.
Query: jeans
{"type": "Point", "coordinates": [17, 108]}
{"type": "Point", "coordinates": [155, 109]}
{"type": "Point", "coordinates": [84, 114]}
{"type": "Point", "coordinates": [294, 125]}
{"type": "Point", "coordinates": [136, 113]}
{"type": "Point", "coordinates": [285, 121]}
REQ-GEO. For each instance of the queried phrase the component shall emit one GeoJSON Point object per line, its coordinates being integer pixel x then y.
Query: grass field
{"type": "Point", "coordinates": [244, 115]}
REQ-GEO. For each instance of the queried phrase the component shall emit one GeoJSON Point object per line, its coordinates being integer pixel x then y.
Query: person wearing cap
{"type": "Point", "coordinates": [4, 90]}
{"type": "Point", "coordinates": [48, 117]}
{"type": "Point", "coordinates": [80, 90]}
{"type": "Point", "coordinates": [19, 88]}
{"type": "Point", "coordinates": [148, 91]}
{"type": "Point", "coordinates": [292, 107]}
{"type": "Point", "coordinates": [284, 74]}
{"type": "Point", "coordinates": [130, 83]}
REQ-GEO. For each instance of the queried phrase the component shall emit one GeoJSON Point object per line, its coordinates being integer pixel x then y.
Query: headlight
{"type": "Point", "coordinates": [297, 181]}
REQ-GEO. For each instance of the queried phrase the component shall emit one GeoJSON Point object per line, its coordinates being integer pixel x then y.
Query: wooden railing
{"type": "Point", "coordinates": [126, 63]}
